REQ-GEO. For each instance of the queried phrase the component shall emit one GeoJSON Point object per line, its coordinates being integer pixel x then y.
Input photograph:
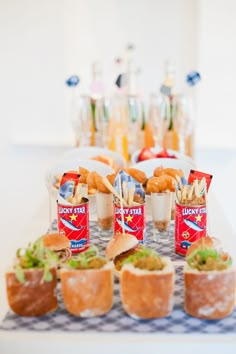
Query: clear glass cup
{"type": "Point", "coordinates": [102, 107]}
{"type": "Point", "coordinates": [161, 215]}
{"type": "Point", "coordinates": [82, 121]}
{"type": "Point", "coordinates": [182, 113]}
{"type": "Point", "coordinates": [118, 130]}
{"type": "Point", "coordinates": [135, 111]}
{"type": "Point", "coordinates": [159, 117]}
{"type": "Point", "coordinates": [104, 204]}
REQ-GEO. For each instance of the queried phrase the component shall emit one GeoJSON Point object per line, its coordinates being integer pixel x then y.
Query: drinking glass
{"type": "Point", "coordinates": [159, 117]}
{"type": "Point", "coordinates": [104, 204]}
{"type": "Point", "coordinates": [161, 215]}
{"type": "Point", "coordinates": [135, 111]}
{"type": "Point", "coordinates": [117, 131]}
{"type": "Point", "coordinates": [182, 114]}
{"type": "Point", "coordinates": [82, 122]}
{"type": "Point", "coordinates": [102, 107]}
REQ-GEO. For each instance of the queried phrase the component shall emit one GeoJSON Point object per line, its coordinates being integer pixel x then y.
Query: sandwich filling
{"type": "Point", "coordinates": [63, 255]}
{"type": "Point", "coordinates": [146, 259]}
{"type": "Point", "coordinates": [89, 259]}
{"type": "Point", "coordinates": [208, 259]}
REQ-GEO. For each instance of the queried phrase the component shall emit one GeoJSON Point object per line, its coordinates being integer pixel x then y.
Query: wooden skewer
{"type": "Point", "coordinates": [112, 190]}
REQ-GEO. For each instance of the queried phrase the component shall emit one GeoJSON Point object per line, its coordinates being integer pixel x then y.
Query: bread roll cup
{"type": "Point", "coordinates": [87, 292]}
{"type": "Point", "coordinates": [209, 294]}
{"type": "Point", "coordinates": [209, 283]}
{"type": "Point", "coordinates": [34, 296]}
{"type": "Point", "coordinates": [147, 294]}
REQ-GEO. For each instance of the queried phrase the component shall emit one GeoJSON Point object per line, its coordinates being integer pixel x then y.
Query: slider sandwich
{"type": "Point", "coordinates": [147, 285]}
{"type": "Point", "coordinates": [60, 244]}
{"type": "Point", "coordinates": [87, 284]}
{"type": "Point", "coordinates": [31, 283]}
{"type": "Point", "coordinates": [119, 247]}
{"type": "Point", "coordinates": [209, 281]}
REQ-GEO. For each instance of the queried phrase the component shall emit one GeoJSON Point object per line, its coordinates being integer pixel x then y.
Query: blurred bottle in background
{"type": "Point", "coordinates": [170, 139]}
{"type": "Point", "coordinates": [125, 117]}
{"type": "Point", "coordinates": [135, 109]}
{"type": "Point", "coordinates": [82, 121]}
{"type": "Point", "coordinates": [72, 96]}
{"type": "Point", "coordinates": [117, 128]}
{"type": "Point", "coordinates": [176, 137]}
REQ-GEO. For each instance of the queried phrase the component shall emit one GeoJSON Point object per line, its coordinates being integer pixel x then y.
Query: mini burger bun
{"type": "Point", "coordinates": [56, 241]}
{"type": "Point", "coordinates": [120, 243]}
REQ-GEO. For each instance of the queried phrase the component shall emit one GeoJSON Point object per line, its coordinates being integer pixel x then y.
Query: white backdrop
{"type": "Point", "coordinates": [43, 42]}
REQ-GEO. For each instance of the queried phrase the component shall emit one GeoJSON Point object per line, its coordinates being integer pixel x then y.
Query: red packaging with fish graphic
{"type": "Point", "coordinates": [133, 222]}
{"type": "Point", "coordinates": [73, 221]}
{"type": "Point", "coordinates": [190, 225]}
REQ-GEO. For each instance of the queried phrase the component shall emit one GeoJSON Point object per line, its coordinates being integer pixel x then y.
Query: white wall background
{"type": "Point", "coordinates": [47, 41]}
{"type": "Point", "coordinates": [43, 42]}
{"type": "Point", "coordinates": [217, 59]}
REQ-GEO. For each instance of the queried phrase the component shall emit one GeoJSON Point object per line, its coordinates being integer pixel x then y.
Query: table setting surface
{"type": "Point", "coordinates": [178, 322]}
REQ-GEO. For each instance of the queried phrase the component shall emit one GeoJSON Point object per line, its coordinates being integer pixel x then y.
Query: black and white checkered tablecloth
{"type": "Point", "coordinates": [116, 320]}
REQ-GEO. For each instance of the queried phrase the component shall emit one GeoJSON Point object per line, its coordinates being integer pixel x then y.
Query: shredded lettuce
{"type": "Point", "coordinates": [35, 256]}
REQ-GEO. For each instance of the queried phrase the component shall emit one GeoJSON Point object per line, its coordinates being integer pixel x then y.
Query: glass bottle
{"type": "Point", "coordinates": [158, 117]}
{"type": "Point", "coordinates": [96, 93]}
{"type": "Point", "coordinates": [117, 130]}
{"type": "Point", "coordinates": [135, 110]}
{"type": "Point", "coordinates": [170, 139]}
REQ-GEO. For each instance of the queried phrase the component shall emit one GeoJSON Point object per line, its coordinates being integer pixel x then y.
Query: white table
{"type": "Point", "coordinates": [24, 211]}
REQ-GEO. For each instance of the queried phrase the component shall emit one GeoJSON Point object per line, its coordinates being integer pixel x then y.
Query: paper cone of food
{"type": "Point", "coordinates": [31, 284]}
{"type": "Point", "coordinates": [87, 284]}
{"type": "Point", "coordinates": [209, 283]}
{"type": "Point", "coordinates": [147, 285]}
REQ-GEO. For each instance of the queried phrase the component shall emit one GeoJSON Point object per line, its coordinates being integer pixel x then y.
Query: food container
{"type": "Point", "coordinates": [34, 296]}
{"type": "Point", "coordinates": [73, 221]}
{"type": "Point", "coordinates": [132, 221]}
{"type": "Point", "coordinates": [147, 294]}
{"type": "Point", "coordinates": [190, 225]}
{"type": "Point", "coordinates": [209, 294]}
{"type": "Point", "coordinates": [87, 292]}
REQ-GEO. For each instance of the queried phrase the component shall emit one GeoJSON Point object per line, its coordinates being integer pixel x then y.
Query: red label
{"type": "Point", "coordinates": [73, 221]}
{"type": "Point", "coordinates": [133, 223]}
{"type": "Point", "coordinates": [199, 175]}
{"type": "Point", "coordinates": [190, 225]}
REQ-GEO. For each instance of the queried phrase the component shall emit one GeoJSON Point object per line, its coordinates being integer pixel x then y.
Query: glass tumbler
{"type": "Point", "coordinates": [104, 204]}
{"type": "Point", "coordinates": [161, 215]}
